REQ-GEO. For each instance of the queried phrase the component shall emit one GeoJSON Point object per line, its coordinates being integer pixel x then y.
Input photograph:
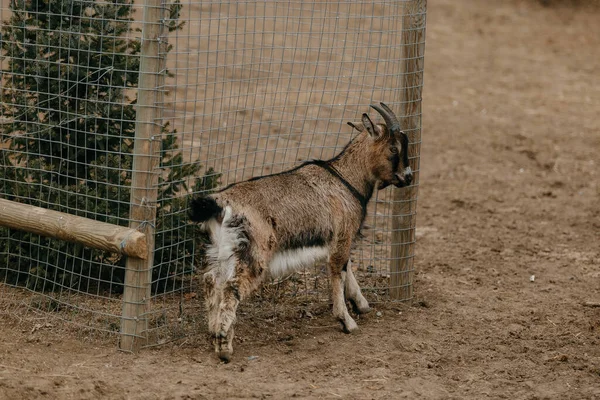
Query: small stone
{"type": "Point", "coordinates": [379, 314]}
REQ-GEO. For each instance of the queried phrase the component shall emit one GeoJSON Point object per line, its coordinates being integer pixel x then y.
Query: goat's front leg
{"type": "Point", "coordinates": [338, 277]}
{"type": "Point", "coordinates": [353, 293]}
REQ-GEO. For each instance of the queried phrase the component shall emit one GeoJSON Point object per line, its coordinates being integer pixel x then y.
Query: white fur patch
{"type": "Point", "coordinates": [289, 261]}
{"type": "Point", "coordinates": [224, 242]}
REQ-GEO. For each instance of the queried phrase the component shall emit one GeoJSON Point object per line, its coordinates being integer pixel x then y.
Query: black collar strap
{"type": "Point", "coordinates": [359, 196]}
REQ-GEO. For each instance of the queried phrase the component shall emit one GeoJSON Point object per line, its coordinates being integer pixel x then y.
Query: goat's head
{"type": "Point", "coordinates": [388, 158]}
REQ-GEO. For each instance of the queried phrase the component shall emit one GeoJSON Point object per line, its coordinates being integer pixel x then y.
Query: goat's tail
{"type": "Point", "coordinates": [204, 208]}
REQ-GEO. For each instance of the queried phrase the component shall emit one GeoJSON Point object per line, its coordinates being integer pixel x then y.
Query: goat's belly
{"type": "Point", "coordinates": [289, 261]}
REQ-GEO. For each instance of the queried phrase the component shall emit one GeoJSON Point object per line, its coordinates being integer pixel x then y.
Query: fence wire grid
{"type": "Point", "coordinates": [248, 88]}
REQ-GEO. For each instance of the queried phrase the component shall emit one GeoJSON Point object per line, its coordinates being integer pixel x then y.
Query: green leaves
{"type": "Point", "coordinates": [71, 67]}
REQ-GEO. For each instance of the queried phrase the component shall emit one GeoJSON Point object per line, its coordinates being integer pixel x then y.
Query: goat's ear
{"type": "Point", "coordinates": [373, 129]}
{"type": "Point", "coordinates": [358, 126]}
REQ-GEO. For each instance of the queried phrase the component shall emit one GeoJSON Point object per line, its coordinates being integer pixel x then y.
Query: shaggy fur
{"type": "Point", "coordinates": [277, 224]}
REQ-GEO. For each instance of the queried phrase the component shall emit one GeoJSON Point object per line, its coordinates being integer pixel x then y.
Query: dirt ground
{"type": "Point", "coordinates": [509, 191]}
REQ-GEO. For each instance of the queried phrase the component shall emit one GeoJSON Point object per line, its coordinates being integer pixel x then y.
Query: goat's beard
{"type": "Point", "coordinates": [398, 181]}
{"type": "Point", "coordinates": [383, 185]}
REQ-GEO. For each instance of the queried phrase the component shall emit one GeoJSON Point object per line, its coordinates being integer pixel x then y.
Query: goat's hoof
{"type": "Point", "coordinates": [364, 309]}
{"type": "Point", "coordinates": [349, 326]}
{"type": "Point", "coordinates": [224, 355]}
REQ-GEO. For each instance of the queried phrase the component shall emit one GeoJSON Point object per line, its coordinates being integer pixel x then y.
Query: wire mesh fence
{"type": "Point", "coordinates": [240, 89]}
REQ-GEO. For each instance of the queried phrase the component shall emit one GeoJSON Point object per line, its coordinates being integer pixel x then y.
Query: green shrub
{"type": "Point", "coordinates": [67, 141]}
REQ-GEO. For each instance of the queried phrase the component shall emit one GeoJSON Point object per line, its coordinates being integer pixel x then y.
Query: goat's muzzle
{"type": "Point", "coordinates": [403, 179]}
{"type": "Point", "coordinates": [400, 180]}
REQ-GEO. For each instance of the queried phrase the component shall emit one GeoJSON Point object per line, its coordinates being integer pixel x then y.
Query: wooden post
{"type": "Point", "coordinates": [146, 158]}
{"type": "Point", "coordinates": [405, 200]}
{"type": "Point", "coordinates": [71, 228]}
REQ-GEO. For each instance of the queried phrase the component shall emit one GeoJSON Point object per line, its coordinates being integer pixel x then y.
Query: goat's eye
{"type": "Point", "coordinates": [394, 149]}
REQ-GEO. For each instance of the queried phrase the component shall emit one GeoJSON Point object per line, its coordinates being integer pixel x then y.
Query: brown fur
{"type": "Point", "coordinates": [315, 205]}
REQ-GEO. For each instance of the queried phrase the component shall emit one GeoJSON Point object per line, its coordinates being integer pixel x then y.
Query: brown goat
{"type": "Point", "coordinates": [274, 225]}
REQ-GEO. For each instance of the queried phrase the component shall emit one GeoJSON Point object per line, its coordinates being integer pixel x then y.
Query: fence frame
{"type": "Point", "coordinates": [138, 241]}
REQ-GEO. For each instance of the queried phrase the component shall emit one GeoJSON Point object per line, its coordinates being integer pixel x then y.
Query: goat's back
{"type": "Point", "coordinates": [303, 207]}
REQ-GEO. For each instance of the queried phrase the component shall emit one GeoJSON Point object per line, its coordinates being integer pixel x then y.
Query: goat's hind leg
{"type": "Point", "coordinates": [227, 318]}
{"type": "Point", "coordinates": [222, 299]}
{"type": "Point", "coordinates": [220, 309]}
{"type": "Point", "coordinates": [247, 277]}
{"type": "Point", "coordinates": [360, 305]}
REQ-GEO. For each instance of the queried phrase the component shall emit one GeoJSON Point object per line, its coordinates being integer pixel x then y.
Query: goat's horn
{"type": "Point", "coordinates": [389, 117]}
